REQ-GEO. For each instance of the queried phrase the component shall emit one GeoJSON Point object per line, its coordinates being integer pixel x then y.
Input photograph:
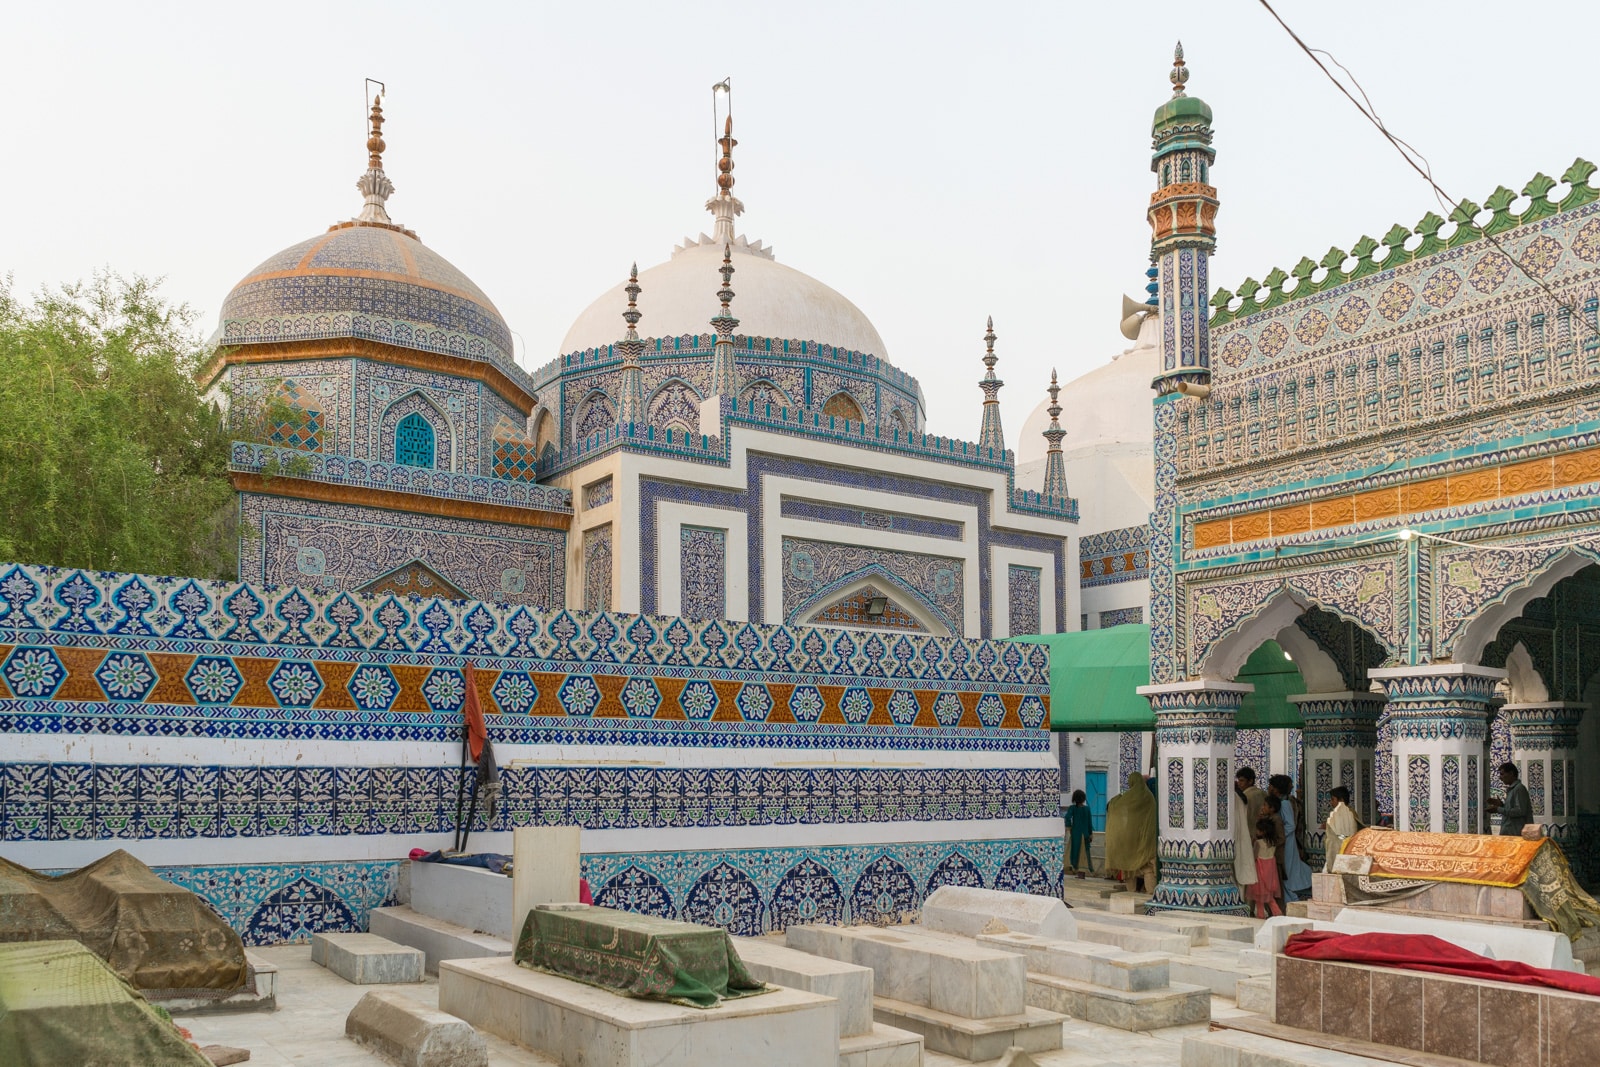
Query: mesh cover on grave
{"type": "Point", "coordinates": [61, 1004]}
{"type": "Point", "coordinates": [162, 939]}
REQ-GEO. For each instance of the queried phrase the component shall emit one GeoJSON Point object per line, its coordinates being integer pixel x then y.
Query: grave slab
{"type": "Point", "coordinates": [1539, 948]}
{"type": "Point", "coordinates": [413, 1034]}
{"type": "Point", "coordinates": [1177, 1004]}
{"type": "Point", "coordinates": [1133, 940]}
{"type": "Point", "coordinates": [1032, 1029]}
{"type": "Point", "coordinates": [1085, 961]}
{"type": "Point", "coordinates": [472, 897]}
{"type": "Point", "coordinates": [437, 939]}
{"type": "Point", "coordinates": [969, 910]}
{"type": "Point", "coordinates": [772, 961]}
{"type": "Point", "coordinates": [945, 973]}
{"type": "Point", "coordinates": [882, 1046]}
{"type": "Point", "coordinates": [367, 959]}
{"type": "Point", "coordinates": [263, 998]}
{"type": "Point", "coordinates": [580, 1025]}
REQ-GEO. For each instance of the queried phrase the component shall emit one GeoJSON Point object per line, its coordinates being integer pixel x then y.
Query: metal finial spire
{"type": "Point", "coordinates": [630, 406]}
{"type": "Point", "coordinates": [724, 375]}
{"type": "Point", "coordinates": [375, 186]}
{"type": "Point", "coordinates": [1180, 73]}
{"type": "Point", "coordinates": [990, 435]}
{"type": "Point", "coordinates": [1055, 466]}
{"type": "Point", "coordinates": [725, 164]}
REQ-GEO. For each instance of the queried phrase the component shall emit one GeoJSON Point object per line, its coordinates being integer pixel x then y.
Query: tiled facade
{"type": "Point", "coordinates": [703, 565]}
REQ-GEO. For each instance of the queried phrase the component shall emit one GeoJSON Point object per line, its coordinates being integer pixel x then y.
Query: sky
{"type": "Point", "coordinates": [935, 162]}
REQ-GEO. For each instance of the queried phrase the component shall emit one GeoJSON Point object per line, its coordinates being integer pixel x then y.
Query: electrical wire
{"type": "Point", "coordinates": [1407, 535]}
{"type": "Point", "coordinates": [1411, 156]}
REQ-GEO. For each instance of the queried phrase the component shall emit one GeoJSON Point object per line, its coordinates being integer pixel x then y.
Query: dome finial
{"type": "Point", "coordinates": [724, 207]}
{"type": "Point", "coordinates": [1055, 466]}
{"type": "Point", "coordinates": [375, 186]}
{"type": "Point", "coordinates": [1180, 73]}
{"type": "Point", "coordinates": [990, 435]}
{"type": "Point", "coordinates": [630, 400]}
{"type": "Point", "coordinates": [724, 375]}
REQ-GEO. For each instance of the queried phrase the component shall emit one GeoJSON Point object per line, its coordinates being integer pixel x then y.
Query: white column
{"type": "Point", "coordinates": [1195, 725]}
{"type": "Point", "coordinates": [1439, 717]}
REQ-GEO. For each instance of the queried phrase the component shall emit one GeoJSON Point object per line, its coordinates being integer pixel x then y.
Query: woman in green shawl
{"type": "Point", "coordinates": [1131, 832]}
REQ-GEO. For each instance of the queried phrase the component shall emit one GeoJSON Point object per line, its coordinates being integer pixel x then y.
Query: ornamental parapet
{"type": "Point", "coordinates": [272, 462]}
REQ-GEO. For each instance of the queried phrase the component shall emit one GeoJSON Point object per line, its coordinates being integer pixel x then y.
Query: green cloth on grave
{"type": "Point", "coordinates": [61, 1004]}
{"type": "Point", "coordinates": [636, 955]}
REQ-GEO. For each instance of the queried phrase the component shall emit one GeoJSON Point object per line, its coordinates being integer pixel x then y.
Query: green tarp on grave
{"type": "Point", "coordinates": [162, 938]}
{"type": "Point", "coordinates": [1095, 676]}
{"type": "Point", "coordinates": [636, 955]}
{"type": "Point", "coordinates": [61, 1004]}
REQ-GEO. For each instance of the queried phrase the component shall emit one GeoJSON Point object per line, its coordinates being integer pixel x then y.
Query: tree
{"type": "Point", "coordinates": [110, 459]}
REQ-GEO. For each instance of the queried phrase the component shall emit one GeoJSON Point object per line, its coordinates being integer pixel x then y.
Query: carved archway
{"type": "Point", "coordinates": [842, 405]}
{"type": "Point", "coordinates": [880, 580]}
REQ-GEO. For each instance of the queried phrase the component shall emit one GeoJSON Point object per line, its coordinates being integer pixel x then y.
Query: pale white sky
{"type": "Point", "coordinates": [936, 162]}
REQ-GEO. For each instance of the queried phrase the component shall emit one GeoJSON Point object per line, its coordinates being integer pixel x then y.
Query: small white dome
{"type": "Point", "coordinates": [770, 300]}
{"type": "Point", "coordinates": [1109, 405]}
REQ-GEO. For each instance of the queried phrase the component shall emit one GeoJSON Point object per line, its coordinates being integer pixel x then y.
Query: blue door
{"type": "Point", "coordinates": [1095, 785]}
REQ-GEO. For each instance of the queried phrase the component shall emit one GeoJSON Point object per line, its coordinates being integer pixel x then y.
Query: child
{"type": "Point", "coordinates": [1264, 894]}
{"type": "Point", "coordinates": [1080, 827]}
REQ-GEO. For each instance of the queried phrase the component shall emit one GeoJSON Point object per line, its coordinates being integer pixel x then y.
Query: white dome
{"type": "Point", "coordinates": [1109, 405]}
{"type": "Point", "coordinates": [771, 300]}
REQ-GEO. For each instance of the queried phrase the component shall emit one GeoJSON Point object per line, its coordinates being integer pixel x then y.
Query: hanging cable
{"type": "Point", "coordinates": [1412, 156]}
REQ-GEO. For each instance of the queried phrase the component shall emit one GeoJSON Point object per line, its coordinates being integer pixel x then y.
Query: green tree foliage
{"type": "Point", "coordinates": [110, 458]}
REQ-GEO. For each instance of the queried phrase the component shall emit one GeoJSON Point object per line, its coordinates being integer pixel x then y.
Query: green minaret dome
{"type": "Point", "coordinates": [1181, 110]}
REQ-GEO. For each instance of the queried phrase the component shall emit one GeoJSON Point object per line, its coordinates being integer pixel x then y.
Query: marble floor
{"type": "Point", "coordinates": [308, 1027]}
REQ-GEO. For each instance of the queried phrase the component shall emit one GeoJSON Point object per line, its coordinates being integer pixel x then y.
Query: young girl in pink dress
{"type": "Point", "coordinates": [1264, 894]}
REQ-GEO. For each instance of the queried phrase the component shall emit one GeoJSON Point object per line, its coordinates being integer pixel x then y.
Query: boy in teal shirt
{"type": "Point", "coordinates": [1080, 830]}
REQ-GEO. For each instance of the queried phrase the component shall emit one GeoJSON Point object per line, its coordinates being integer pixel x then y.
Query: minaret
{"type": "Point", "coordinates": [990, 436]}
{"type": "Point", "coordinates": [375, 185]}
{"type": "Point", "coordinates": [1055, 465]}
{"type": "Point", "coordinates": [1183, 232]}
{"type": "Point", "coordinates": [724, 377]}
{"type": "Point", "coordinates": [630, 405]}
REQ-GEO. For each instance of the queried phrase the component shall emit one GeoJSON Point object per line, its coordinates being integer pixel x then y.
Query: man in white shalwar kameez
{"type": "Point", "coordinates": [1341, 825]}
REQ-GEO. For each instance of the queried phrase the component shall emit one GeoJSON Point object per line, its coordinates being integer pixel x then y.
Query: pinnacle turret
{"type": "Point", "coordinates": [991, 436]}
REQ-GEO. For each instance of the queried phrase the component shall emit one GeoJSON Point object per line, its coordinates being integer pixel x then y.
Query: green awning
{"type": "Point", "coordinates": [1095, 676]}
{"type": "Point", "coordinates": [1276, 678]}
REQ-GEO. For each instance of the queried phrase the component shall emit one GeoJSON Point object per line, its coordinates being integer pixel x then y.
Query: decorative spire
{"type": "Point", "coordinates": [725, 207]}
{"type": "Point", "coordinates": [375, 185]}
{"type": "Point", "coordinates": [1180, 73]}
{"type": "Point", "coordinates": [630, 406]}
{"type": "Point", "coordinates": [724, 377]}
{"type": "Point", "coordinates": [1055, 465]}
{"type": "Point", "coordinates": [990, 436]}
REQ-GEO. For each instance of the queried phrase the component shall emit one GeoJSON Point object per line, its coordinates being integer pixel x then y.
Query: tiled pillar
{"type": "Point", "coordinates": [1195, 724]}
{"type": "Point", "coordinates": [1544, 746]}
{"type": "Point", "coordinates": [1340, 734]}
{"type": "Point", "coordinates": [1438, 715]}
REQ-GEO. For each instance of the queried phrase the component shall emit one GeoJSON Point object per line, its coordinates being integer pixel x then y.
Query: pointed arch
{"type": "Point", "coordinates": [842, 405]}
{"type": "Point", "coordinates": [544, 431]}
{"type": "Point", "coordinates": [765, 391]}
{"type": "Point", "coordinates": [1274, 620]}
{"type": "Point", "coordinates": [881, 581]}
{"type": "Point", "coordinates": [419, 404]}
{"type": "Point", "coordinates": [1480, 590]}
{"type": "Point", "coordinates": [675, 406]}
{"type": "Point", "coordinates": [596, 412]}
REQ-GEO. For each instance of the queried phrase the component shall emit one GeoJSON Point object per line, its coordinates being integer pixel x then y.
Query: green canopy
{"type": "Point", "coordinates": [1276, 678]}
{"type": "Point", "coordinates": [1095, 676]}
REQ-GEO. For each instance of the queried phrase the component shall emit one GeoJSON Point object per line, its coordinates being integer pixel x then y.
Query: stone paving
{"type": "Point", "coordinates": [308, 1027]}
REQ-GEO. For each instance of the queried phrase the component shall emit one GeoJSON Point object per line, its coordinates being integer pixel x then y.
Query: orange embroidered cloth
{"type": "Point", "coordinates": [1477, 859]}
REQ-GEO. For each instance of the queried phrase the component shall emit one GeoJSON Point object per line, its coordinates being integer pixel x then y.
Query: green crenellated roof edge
{"type": "Point", "coordinates": [1263, 295]}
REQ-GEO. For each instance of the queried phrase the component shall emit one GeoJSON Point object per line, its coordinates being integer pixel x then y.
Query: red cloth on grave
{"type": "Point", "coordinates": [1424, 952]}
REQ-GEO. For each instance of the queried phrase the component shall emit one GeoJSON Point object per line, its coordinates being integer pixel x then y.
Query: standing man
{"type": "Point", "coordinates": [1342, 825]}
{"type": "Point", "coordinates": [1080, 834]}
{"type": "Point", "coordinates": [1246, 809]}
{"type": "Point", "coordinates": [1292, 865]}
{"type": "Point", "coordinates": [1516, 810]}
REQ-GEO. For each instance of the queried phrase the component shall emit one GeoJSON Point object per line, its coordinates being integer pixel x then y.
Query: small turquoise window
{"type": "Point", "coordinates": [413, 441]}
